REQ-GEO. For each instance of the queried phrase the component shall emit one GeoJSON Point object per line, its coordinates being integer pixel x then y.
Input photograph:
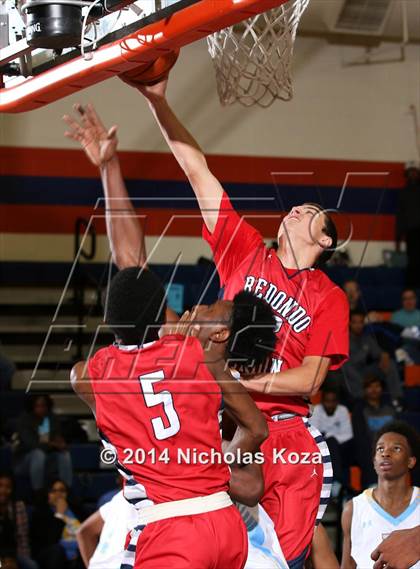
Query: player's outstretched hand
{"type": "Point", "coordinates": [99, 144]}
{"type": "Point", "coordinates": [401, 550]}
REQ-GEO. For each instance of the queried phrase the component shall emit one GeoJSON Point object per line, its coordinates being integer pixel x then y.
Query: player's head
{"type": "Point", "coordinates": [409, 299]}
{"type": "Point", "coordinates": [329, 400]}
{"type": "Point", "coordinates": [396, 450]}
{"type": "Point", "coordinates": [357, 322]}
{"type": "Point", "coordinates": [244, 328]}
{"type": "Point", "coordinates": [135, 308]}
{"type": "Point", "coordinates": [309, 225]}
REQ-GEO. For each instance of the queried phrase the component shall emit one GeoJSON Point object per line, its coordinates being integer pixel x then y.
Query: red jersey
{"type": "Point", "coordinates": [311, 311]}
{"type": "Point", "coordinates": [158, 407]}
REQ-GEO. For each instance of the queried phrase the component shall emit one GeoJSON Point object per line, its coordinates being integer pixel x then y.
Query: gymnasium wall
{"type": "Point", "coordinates": [347, 125]}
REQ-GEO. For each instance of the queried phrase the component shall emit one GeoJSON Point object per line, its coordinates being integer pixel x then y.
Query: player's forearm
{"type": "Point", "coordinates": [251, 432]}
{"type": "Point", "coordinates": [303, 381]}
{"type": "Point", "coordinates": [246, 484]}
{"type": "Point", "coordinates": [124, 230]}
{"type": "Point", "coordinates": [87, 542]}
{"type": "Point", "coordinates": [322, 554]}
{"type": "Point", "coordinates": [182, 144]}
{"type": "Point", "coordinates": [191, 158]}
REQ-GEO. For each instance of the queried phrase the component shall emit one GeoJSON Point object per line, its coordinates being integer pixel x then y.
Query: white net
{"type": "Point", "coordinates": [253, 58]}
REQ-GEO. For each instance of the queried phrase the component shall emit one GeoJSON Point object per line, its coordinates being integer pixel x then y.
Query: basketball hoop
{"type": "Point", "coordinates": [253, 59]}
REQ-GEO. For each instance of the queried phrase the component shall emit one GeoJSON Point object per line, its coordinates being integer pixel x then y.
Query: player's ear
{"type": "Point", "coordinates": [412, 462]}
{"type": "Point", "coordinates": [221, 334]}
{"type": "Point", "coordinates": [325, 241]}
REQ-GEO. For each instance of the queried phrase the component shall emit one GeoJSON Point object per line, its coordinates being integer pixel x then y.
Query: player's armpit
{"type": "Point", "coordinates": [81, 385]}
{"type": "Point", "coordinates": [347, 562]}
{"type": "Point", "coordinates": [252, 427]}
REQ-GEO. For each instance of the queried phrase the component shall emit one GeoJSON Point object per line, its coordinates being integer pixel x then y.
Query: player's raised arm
{"type": "Point", "coordinates": [187, 152]}
{"type": "Point", "coordinates": [229, 235]}
{"type": "Point", "coordinates": [125, 232]}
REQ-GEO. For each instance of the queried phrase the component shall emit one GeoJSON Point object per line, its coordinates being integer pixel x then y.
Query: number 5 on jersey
{"type": "Point", "coordinates": [164, 398]}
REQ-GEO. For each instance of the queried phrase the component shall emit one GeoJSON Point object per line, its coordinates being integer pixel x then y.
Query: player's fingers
{"type": "Point", "coordinates": [194, 330]}
{"type": "Point", "coordinates": [81, 112]}
{"type": "Point", "coordinates": [93, 116]}
{"type": "Point", "coordinates": [73, 135]}
{"type": "Point", "coordinates": [71, 122]}
{"type": "Point", "coordinates": [79, 109]}
{"type": "Point", "coordinates": [375, 554]}
{"type": "Point", "coordinates": [184, 318]}
{"type": "Point", "coordinates": [379, 564]}
{"type": "Point", "coordinates": [75, 128]}
{"type": "Point", "coordinates": [112, 133]}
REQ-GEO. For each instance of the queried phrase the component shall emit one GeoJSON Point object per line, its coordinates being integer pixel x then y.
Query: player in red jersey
{"type": "Point", "coordinates": [157, 403]}
{"type": "Point", "coordinates": [312, 331]}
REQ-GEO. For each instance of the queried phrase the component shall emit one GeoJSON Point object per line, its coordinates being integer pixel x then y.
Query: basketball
{"type": "Point", "coordinates": [151, 73]}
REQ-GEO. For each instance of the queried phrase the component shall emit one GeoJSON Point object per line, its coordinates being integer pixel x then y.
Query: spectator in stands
{"type": "Point", "coordinates": [407, 320]}
{"type": "Point", "coordinates": [392, 505]}
{"type": "Point", "coordinates": [334, 422]}
{"type": "Point", "coordinates": [369, 415]}
{"type": "Point", "coordinates": [408, 223]}
{"type": "Point", "coordinates": [41, 443]}
{"type": "Point", "coordinates": [101, 537]}
{"type": "Point", "coordinates": [55, 523]}
{"type": "Point", "coordinates": [367, 357]}
{"type": "Point", "coordinates": [14, 529]}
{"type": "Point", "coordinates": [7, 370]}
{"type": "Point", "coordinates": [352, 290]}
{"type": "Point", "coordinates": [408, 315]}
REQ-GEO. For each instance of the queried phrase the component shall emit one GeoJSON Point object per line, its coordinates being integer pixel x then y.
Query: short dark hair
{"type": "Point", "coordinates": [136, 306]}
{"type": "Point", "coordinates": [330, 230]}
{"type": "Point", "coordinates": [372, 378]}
{"type": "Point", "coordinates": [252, 331]}
{"type": "Point", "coordinates": [404, 429]}
{"type": "Point", "coordinates": [329, 389]}
{"type": "Point", "coordinates": [409, 289]}
{"type": "Point", "coordinates": [357, 313]}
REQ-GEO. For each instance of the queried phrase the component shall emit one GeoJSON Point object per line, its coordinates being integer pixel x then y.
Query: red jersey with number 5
{"type": "Point", "coordinates": [311, 311]}
{"type": "Point", "coordinates": [158, 407]}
